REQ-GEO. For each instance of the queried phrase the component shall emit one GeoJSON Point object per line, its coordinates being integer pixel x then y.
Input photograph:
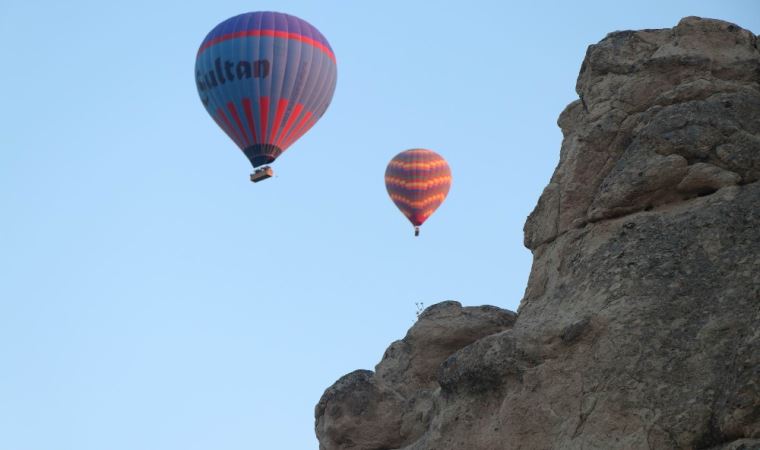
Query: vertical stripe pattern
{"type": "Point", "coordinates": [265, 78]}
{"type": "Point", "coordinates": [418, 181]}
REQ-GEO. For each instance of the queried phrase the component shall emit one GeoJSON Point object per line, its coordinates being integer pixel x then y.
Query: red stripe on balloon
{"type": "Point", "coordinates": [231, 108]}
{"type": "Point", "coordinates": [289, 123]}
{"type": "Point", "coordinates": [308, 126]}
{"type": "Point", "coordinates": [249, 118]}
{"type": "Point", "coordinates": [281, 105]}
{"type": "Point", "coordinates": [270, 33]}
{"type": "Point", "coordinates": [289, 138]}
{"type": "Point", "coordinates": [264, 111]}
{"type": "Point", "coordinates": [299, 130]}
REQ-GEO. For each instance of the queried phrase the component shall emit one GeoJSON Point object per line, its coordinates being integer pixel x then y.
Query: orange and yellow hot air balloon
{"type": "Point", "coordinates": [418, 181]}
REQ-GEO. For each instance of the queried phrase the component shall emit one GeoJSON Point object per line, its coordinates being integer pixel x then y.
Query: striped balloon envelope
{"type": "Point", "coordinates": [265, 78]}
{"type": "Point", "coordinates": [418, 181]}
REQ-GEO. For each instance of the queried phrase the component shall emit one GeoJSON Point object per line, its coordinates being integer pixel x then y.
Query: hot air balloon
{"type": "Point", "coordinates": [418, 181]}
{"type": "Point", "coordinates": [265, 78]}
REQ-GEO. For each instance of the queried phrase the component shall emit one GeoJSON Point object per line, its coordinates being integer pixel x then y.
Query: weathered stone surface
{"type": "Point", "coordinates": [393, 406]}
{"type": "Point", "coordinates": [350, 410]}
{"type": "Point", "coordinates": [704, 178]}
{"type": "Point", "coordinates": [640, 325]}
{"type": "Point", "coordinates": [484, 366]}
{"type": "Point", "coordinates": [741, 444]}
{"type": "Point", "coordinates": [653, 103]}
{"type": "Point", "coordinates": [672, 350]}
{"type": "Point", "coordinates": [442, 329]}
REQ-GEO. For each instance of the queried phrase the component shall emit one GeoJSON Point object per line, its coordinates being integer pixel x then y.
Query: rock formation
{"type": "Point", "coordinates": [640, 325]}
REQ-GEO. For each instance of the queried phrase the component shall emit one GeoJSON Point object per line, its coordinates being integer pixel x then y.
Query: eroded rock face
{"type": "Point", "coordinates": [393, 406]}
{"type": "Point", "coordinates": [654, 103]}
{"type": "Point", "coordinates": [640, 325]}
{"type": "Point", "coordinates": [670, 353]}
{"type": "Point", "coordinates": [411, 363]}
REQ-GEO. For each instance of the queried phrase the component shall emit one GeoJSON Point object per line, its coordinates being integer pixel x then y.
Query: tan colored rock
{"type": "Point", "coordinates": [740, 444]}
{"type": "Point", "coordinates": [356, 410]}
{"type": "Point", "coordinates": [703, 178]}
{"type": "Point", "coordinates": [691, 91]}
{"type": "Point", "coordinates": [440, 330]}
{"type": "Point", "coordinates": [639, 324]}
{"type": "Point", "coordinates": [394, 405]}
{"type": "Point", "coordinates": [637, 184]}
{"type": "Point", "coordinates": [671, 300]}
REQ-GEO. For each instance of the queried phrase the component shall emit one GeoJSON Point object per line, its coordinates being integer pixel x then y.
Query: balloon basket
{"type": "Point", "coordinates": [416, 231]}
{"type": "Point", "coordinates": [262, 174]}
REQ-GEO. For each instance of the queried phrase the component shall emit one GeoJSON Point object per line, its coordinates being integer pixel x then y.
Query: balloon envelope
{"type": "Point", "coordinates": [265, 78]}
{"type": "Point", "coordinates": [418, 181]}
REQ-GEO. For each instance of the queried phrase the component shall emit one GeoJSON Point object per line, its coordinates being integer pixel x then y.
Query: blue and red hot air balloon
{"type": "Point", "coordinates": [418, 181]}
{"type": "Point", "coordinates": [265, 78]}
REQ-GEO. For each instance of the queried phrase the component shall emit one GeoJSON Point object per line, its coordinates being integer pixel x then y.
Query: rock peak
{"type": "Point", "coordinates": [663, 116]}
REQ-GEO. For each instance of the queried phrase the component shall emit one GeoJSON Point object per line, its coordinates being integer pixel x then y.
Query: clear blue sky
{"type": "Point", "coordinates": [152, 298]}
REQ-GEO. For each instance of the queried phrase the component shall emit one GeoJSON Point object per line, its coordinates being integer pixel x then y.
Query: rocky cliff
{"type": "Point", "coordinates": [640, 325]}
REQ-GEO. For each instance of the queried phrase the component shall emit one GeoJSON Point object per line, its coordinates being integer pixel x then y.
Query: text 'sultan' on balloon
{"type": "Point", "coordinates": [265, 78]}
{"type": "Point", "coordinates": [418, 181]}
